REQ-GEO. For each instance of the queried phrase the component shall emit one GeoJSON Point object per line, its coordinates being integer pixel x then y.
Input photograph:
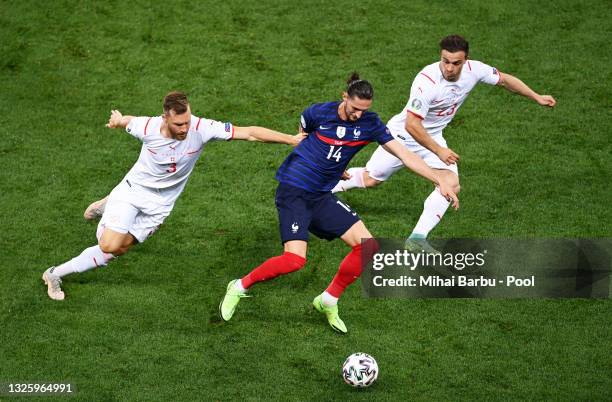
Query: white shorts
{"type": "Point", "coordinates": [132, 209]}
{"type": "Point", "coordinates": [382, 164]}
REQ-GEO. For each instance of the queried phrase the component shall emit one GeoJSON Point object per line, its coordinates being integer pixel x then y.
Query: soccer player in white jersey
{"type": "Point", "coordinates": [437, 93]}
{"type": "Point", "coordinates": [172, 143]}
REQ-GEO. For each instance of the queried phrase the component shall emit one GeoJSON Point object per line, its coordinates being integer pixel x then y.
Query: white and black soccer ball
{"type": "Point", "coordinates": [360, 370]}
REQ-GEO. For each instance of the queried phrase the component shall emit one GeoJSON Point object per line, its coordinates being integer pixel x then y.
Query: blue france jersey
{"type": "Point", "coordinates": [318, 162]}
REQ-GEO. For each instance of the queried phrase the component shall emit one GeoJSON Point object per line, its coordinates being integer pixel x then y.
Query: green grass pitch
{"type": "Point", "coordinates": [146, 326]}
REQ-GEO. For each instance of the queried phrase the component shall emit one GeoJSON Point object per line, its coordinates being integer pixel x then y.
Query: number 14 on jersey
{"type": "Point", "coordinates": [334, 153]}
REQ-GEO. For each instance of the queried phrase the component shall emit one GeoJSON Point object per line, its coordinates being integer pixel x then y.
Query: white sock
{"type": "Point", "coordinates": [91, 257]}
{"type": "Point", "coordinates": [328, 300]}
{"type": "Point", "coordinates": [238, 286]}
{"type": "Point", "coordinates": [356, 180]}
{"type": "Point", "coordinates": [434, 208]}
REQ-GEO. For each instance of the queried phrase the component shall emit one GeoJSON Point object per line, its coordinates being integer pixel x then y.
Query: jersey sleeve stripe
{"type": "Point", "coordinates": [146, 125]}
{"type": "Point", "coordinates": [417, 115]}
{"type": "Point", "coordinates": [331, 141]}
{"type": "Point", "coordinates": [198, 125]}
{"type": "Point", "coordinates": [428, 77]}
{"type": "Point", "coordinates": [469, 65]}
{"type": "Point", "coordinates": [153, 152]}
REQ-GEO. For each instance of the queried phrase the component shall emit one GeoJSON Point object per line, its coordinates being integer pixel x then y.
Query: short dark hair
{"type": "Point", "coordinates": [176, 101]}
{"type": "Point", "coordinates": [455, 43]}
{"type": "Point", "coordinates": [356, 87]}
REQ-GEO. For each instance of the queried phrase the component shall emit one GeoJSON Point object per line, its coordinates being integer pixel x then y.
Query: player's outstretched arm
{"type": "Point", "coordinates": [262, 134]}
{"type": "Point", "coordinates": [416, 164]}
{"type": "Point", "coordinates": [420, 135]}
{"type": "Point", "coordinates": [117, 120]}
{"type": "Point", "coordinates": [513, 84]}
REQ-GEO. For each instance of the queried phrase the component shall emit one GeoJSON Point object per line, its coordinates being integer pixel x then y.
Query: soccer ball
{"type": "Point", "coordinates": [360, 370]}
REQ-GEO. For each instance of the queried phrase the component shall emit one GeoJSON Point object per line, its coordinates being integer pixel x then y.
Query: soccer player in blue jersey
{"type": "Point", "coordinates": [336, 132]}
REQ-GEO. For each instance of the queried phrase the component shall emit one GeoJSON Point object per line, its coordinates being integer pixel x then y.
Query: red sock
{"type": "Point", "coordinates": [273, 267]}
{"type": "Point", "coordinates": [350, 267]}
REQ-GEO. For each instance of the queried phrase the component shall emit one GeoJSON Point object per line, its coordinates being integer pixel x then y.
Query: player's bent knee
{"type": "Point", "coordinates": [292, 262]}
{"type": "Point", "coordinates": [115, 243]}
{"type": "Point", "coordinates": [109, 248]}
{"type": "Point", "coordinates": [370, 181]}
{"type": "Point", "coordinates": [356, 234]}
{"type": "Point", "coordinates": [121, 251]}
{"type": "Point", "coordinates": [113, 246]}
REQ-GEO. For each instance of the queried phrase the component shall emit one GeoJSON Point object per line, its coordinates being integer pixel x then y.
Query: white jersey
{"type": "Point", "coordinates": [436, 101]}
{"type": "Point", "coordinates": [164, 164]}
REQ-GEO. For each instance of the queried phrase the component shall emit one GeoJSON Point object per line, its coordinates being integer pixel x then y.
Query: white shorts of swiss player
{"type": "Point", "coordinates": [133, 209]}
{"type": "Point", "coordinates": [382, 164]}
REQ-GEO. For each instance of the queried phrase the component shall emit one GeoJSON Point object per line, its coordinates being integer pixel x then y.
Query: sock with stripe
{"type": "Point", "coordinates": [434, 208]}
{"type": "Point", "coordinates": [90, 258]}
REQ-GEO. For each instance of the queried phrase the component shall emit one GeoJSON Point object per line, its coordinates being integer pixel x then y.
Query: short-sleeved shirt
{"type": "Point", "coordinates": [164, 164]}
{"type": "Point", "coordinates": [317, 163]}
{"type": "Point", "coordinates": [436, 100]}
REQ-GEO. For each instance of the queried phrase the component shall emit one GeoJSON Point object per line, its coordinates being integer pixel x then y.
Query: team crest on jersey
{"type": "Point", "coordinates": [340, 131]}
{"type": "Point", "coordinates": [356, 133]}
{"type": "Point", "coordinates": [417, 104]}
{"type": "Point", "coordinates": [295, 227]}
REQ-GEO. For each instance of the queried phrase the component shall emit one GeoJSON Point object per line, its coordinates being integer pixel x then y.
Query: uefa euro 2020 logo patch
{"type": "Point", "coordinates": [416, 104]}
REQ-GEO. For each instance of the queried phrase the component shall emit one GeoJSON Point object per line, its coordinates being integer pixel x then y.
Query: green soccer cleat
{"type": "Point", "coordinates": [415, 246]}
{"type": "Point", "coordinates": [331, 313]}
{"type": "Point", "coordinates": [230, 301]}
